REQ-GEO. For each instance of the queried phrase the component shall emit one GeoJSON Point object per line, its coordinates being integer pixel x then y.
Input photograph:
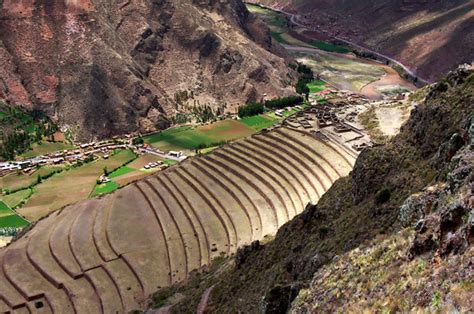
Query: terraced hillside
{"type": "Point", "coordinates": [108, 254]}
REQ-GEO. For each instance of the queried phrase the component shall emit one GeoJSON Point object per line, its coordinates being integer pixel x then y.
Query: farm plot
{"type": "Point", "coordinates": [129, 173]}
{"type": "Point", "coordinates": [9, 218]}
{"type": "Point", "coordinates": [15, 199]}
{"type": "Point", "coordinates": [345, 72]}
{"type": "Point", "coordinates": [260, 122]}
{"type": "Point", "coordinates": [191, 138]}
{"type": "Point", "coordinates": [70, 186]}
{"type": "Point", "coordinates": [20, 180]}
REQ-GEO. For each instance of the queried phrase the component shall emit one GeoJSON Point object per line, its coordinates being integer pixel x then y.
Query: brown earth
{"type": "Point", "coordinates": [110, 67]}
{"type": "Point", "coordinates": [430, 37]}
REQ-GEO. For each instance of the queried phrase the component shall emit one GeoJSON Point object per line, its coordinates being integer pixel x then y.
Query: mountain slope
{"type": "Point", "coordinates": [111, 67]}
{"type": "Point", "coordinates": [378, 198]}
{"type": "Point", "coordinates": [430, 37]}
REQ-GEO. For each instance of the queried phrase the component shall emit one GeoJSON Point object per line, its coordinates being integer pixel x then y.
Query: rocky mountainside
{"type": "Point", "coordinates": [397, 234]}
{"type": "Point", "coordinates": [102, 68]}
{"type": "Point", "coordinates": [430, 37]}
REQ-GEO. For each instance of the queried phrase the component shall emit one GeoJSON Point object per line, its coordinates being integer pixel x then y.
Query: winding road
{"type": "Point", "coordinates": [294, 20]}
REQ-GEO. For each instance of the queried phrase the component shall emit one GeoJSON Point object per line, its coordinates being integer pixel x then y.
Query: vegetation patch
{"type": "Point", "coordinates": [10, 219]}
{"type": "Point", "coordinates": [329, 47]}
{"type": "Point", "coordinates": [316, 86]}
{"type": "Point", "coordinates": [121, 171]}
{"type": "Point", "coordinates": [105, 188]}
{"type": "Point", "coordinates": [16, 199]}
{"type": "Point", "coordinates": [20, 129]}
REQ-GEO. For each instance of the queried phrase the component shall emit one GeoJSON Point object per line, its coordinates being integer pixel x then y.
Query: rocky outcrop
{"type": "Point", "coordinates": [102, 68]}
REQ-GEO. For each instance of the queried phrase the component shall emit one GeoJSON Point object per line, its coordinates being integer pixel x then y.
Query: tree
{"type": "Point", "coordinates": [106, 172]}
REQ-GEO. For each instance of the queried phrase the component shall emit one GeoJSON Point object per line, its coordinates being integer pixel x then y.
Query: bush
{"type": "Point", "coordinates": [382, 196]}
{"type": "Point", "coordinates": [251, 110]}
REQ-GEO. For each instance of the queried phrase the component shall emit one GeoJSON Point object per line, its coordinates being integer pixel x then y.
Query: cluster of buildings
{"type": "Point", "coordinates": [65, 156]}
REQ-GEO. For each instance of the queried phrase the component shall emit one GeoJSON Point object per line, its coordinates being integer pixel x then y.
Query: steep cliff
{"type": "Point", "coordinates": [422, 178]}
{"type": "Point", "coordinates": [102, 68]}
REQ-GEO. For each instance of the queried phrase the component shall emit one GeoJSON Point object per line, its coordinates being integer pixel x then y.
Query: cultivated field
{"type": "Point", "coordinates": [213, 134]}
{"type": "Point", "coordinates": [108, 254]}
{"type": "Point", "coordinates": [10, 219]}
{"type": "Point", "coordinates": [69, 186]}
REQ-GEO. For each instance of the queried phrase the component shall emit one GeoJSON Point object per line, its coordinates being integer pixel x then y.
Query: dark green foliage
{"type": "Point", "coordinates": [383, 196]}
{"type": "Point", "coordinates": [137, 140]}
{"type": "Point", "coordinates": [306, 76]}
{"type": "Point", "coordinates": [204, 113]}
{"type": "Point", "coordinates": [280, 103]}
{"type": "Point", "coordinates": [251, 110]}
{"type": "Point", "coordinates": [302, 86]}
{"type": "Point", "coordinates": [19, 129]}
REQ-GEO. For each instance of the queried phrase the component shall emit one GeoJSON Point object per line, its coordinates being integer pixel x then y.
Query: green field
{"type": "Point", "coordinates": [329, 47]}
{"type": "Point", "coordinates": [191, 138]}
{"type": "Point", "coordinates": [121, 171]}
{"type": "Point", "coordinates": [316, 86]}
{"type": "Point", "coordinates": [105, 188]}
{"type": "Point", "coordinates": [8, 218]}
{"type": "Point", "coordinates": [260, 122]}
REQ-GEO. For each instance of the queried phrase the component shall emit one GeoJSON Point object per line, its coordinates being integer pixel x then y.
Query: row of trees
{"type": "Point", "coordinates": [254, 109]}
{"type": "Point", "coordinates": [284, 102]}
{"type": "Point", "coordinates": [306, 76]}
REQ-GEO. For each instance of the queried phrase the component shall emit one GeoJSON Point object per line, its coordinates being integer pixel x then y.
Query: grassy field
{"type": "Point", "coordinates": [105, 188]}
{"type": "Point", "coordinates": [329, 47]}
{"type": "Point", "coordinates": [260, 122]}
{"type": "Point", "coordinates": [191, 138]}
{"type": "Point", "coordinates": [121, 171]}
{"type": "Point", "coordinates": [8, 218]}
{"type": "Point", "coordinates": [43, 148]}
{"type": "Point", "coordinates": [70, 186]}
{"type": "Point", "coordinates": [15, 199]}
{"type": "Point", "coordinates": [316, 86]}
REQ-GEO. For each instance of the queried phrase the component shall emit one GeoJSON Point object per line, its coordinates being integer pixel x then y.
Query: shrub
{"type": "Point", "coordinates": [382, 196]}
{"type": "Point", "coordinates": [251, 110]}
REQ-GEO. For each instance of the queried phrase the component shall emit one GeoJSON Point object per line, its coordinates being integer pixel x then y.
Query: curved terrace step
{"type": "Point", "coordinates": [109, 254]}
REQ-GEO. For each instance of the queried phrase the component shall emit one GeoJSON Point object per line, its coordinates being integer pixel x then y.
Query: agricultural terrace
{"type": "Point", "coordinates": [70, 186]}
{"type": "Point", "coordinates": [156, 231]}
{"type": "Point", "coordinates": [9, 218]}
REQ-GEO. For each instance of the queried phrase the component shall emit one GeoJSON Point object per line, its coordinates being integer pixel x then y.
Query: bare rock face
{"type": "Point", "coordinates": [102, 68]}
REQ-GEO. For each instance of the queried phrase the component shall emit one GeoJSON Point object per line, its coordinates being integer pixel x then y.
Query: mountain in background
{"type": "Point", "coordinates": [430, 37]}
{"type": "Point", "coordinates": [102, 68]}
